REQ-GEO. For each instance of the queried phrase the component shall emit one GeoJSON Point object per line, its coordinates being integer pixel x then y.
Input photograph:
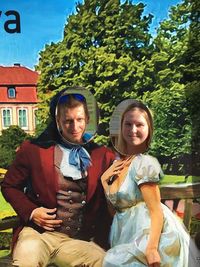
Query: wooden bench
{"type": "Point", "coordinates": [186, 191]}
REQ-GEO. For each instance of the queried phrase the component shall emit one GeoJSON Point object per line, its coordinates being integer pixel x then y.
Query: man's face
{"type": "Point", "coordinates": [72, 123]}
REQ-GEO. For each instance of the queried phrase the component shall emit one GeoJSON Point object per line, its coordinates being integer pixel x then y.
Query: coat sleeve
{"type": "Point", "coordinates": [15, 182]}
{"type": "Point", "coordinates": [103, 218]}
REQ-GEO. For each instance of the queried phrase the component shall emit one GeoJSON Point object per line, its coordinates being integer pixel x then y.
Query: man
{"type": "Point", "coordinates": [54, 186]}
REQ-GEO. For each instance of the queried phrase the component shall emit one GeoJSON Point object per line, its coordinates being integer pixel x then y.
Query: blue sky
{"type": "Point", "coordinates": [42, 22]}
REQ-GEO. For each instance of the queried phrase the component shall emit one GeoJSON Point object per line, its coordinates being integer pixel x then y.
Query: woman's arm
{"type": "Point", "coordinates": [151, 195]}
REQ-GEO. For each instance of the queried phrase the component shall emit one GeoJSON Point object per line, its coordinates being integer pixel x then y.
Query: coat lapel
{"type": "Point", "coordinates": [49, 172]}
{"type": "Point", "coordinates": [93, 174]}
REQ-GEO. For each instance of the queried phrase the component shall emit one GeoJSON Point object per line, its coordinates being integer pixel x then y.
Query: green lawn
{"type": "Point", "coordinates": [5, 211]}
{"type": "Point", "coordinates": [4, 253]}
{"type": "Point", "coordinates": [5, 208]}
{"type": "Point", "coordinates": [170, 179]}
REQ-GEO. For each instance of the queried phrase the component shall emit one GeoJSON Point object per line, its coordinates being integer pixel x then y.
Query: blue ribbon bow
{"type": "Point", "coordinates": [79, 157]}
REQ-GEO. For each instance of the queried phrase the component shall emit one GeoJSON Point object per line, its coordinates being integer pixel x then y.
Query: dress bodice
{"type": "Point", "coordinates": [143, 169]}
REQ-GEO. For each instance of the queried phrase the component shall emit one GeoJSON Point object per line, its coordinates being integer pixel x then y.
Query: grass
{"type": "Point", "coordinates": [5, 209]}
{"type": "Point", "coordinates": [4, 253]}
{"type": "Point", "coordinates": [170, 179]}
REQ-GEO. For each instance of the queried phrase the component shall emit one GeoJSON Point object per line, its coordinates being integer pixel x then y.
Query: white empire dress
{"type": "Point", "coordinates": [131, 224]}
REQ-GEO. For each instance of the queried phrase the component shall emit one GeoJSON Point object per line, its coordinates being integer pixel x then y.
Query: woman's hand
{"type": "Point", "coordinates": [153, 257]}
{"type": "Point", "coordinates": [45, 218]}
{"type": "Point", "coordinates": [114, 169]}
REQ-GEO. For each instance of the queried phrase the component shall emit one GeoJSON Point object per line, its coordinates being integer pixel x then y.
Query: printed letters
{"type": "Point", "coordinates": [12, 25]}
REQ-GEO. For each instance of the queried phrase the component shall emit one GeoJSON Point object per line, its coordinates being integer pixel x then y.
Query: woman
{"type": "Point", "coordinates": [144, 232]}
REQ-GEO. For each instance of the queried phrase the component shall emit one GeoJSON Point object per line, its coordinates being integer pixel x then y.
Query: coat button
{"type": "Point", "coordinates": [83, 202]}
{"type": "Point", "coordinates": [68, 228]}
{"type": "Point", "coordinates": [71, 201]}
{"type": "Point", "coordinates": [70, 210]}
{"type": "Point", "coordinates": [78, 229]}
{"type": "Point", "coordinates": [37, 195]}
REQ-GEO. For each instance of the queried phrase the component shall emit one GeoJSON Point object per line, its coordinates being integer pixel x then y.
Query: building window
{"type": "Point", "coordinates": [6, 117]}
{"type": "Point", "coordinates": [23, 118]}
{"type": "Point", "coordinates": [11, 92]}
{"type": "Point", "coordinates": [35, 118]}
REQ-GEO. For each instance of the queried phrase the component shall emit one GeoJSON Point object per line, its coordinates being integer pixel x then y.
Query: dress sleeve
{"type": "Point", "coordinates": [147, 169]}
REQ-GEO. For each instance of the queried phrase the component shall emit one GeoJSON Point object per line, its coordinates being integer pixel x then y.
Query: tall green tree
{"type": "Point", "coordinates": [106, 47]}
{"type": "Point", "coordinates": [172, 124]}
{"type": "Point", "coordinates": [171, 43]}
{"type": "Point", "coordinates": [172, 142]}
{"type": "Point", "coordinates": [191, 79]}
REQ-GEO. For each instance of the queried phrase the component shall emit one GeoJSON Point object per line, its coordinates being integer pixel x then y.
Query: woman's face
{"type": "Point", "coordinates": [135, 131]}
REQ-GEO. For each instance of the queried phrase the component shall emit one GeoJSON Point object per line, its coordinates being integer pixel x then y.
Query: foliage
{"type": "Point", "coordinates": [10, 140]}
{"type": "Point", "coordinates": [191, 79]}
{"type": "Point", "coordinates": [5, 236]}
{"type": "Point", "coordinates": [172, 121]}
{"type": "Point", "coordinates": [172, 135]}
{"type": "Point", "coordinates": [105, 48]}
{"type": "Point", "coordinates": [5, 240]}
{"type": "Point", "coordinates": [173, 128]}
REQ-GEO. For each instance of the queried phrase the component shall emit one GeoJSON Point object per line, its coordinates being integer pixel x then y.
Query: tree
{"type": "Point", "coordinates": [191, 79]}
{"type": "Point", "coordinates": [172, 128]}
{"type": "Point", "coordinates": [106, 47]}
{"type": "Point", "coordinates": [170, 44]}
{"type": "Point", "coordinates": [10, 140]}
{"type": "Point", "coordinates": [172, 139]}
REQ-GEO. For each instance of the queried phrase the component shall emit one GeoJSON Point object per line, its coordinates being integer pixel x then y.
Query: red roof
{"type": "Point", "coordinates": [23, 95]}
{"type": "Point", "coordinates": [17, 75]}
{"type": "Point", "coordinates": [23, 79]}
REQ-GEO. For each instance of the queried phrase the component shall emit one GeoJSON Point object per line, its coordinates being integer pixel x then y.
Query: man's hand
{"type": "Point", "coordinates": [46, 218]}
{"type": "Point", "coordinates": [114, 169]}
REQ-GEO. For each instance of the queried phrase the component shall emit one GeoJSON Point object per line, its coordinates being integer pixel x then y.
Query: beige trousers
{"type": "Point", "coordinates": [38, 250]}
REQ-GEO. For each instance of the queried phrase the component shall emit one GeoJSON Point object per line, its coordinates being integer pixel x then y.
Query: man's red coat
{"type": "Point", "coordinates": [34, 167]}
